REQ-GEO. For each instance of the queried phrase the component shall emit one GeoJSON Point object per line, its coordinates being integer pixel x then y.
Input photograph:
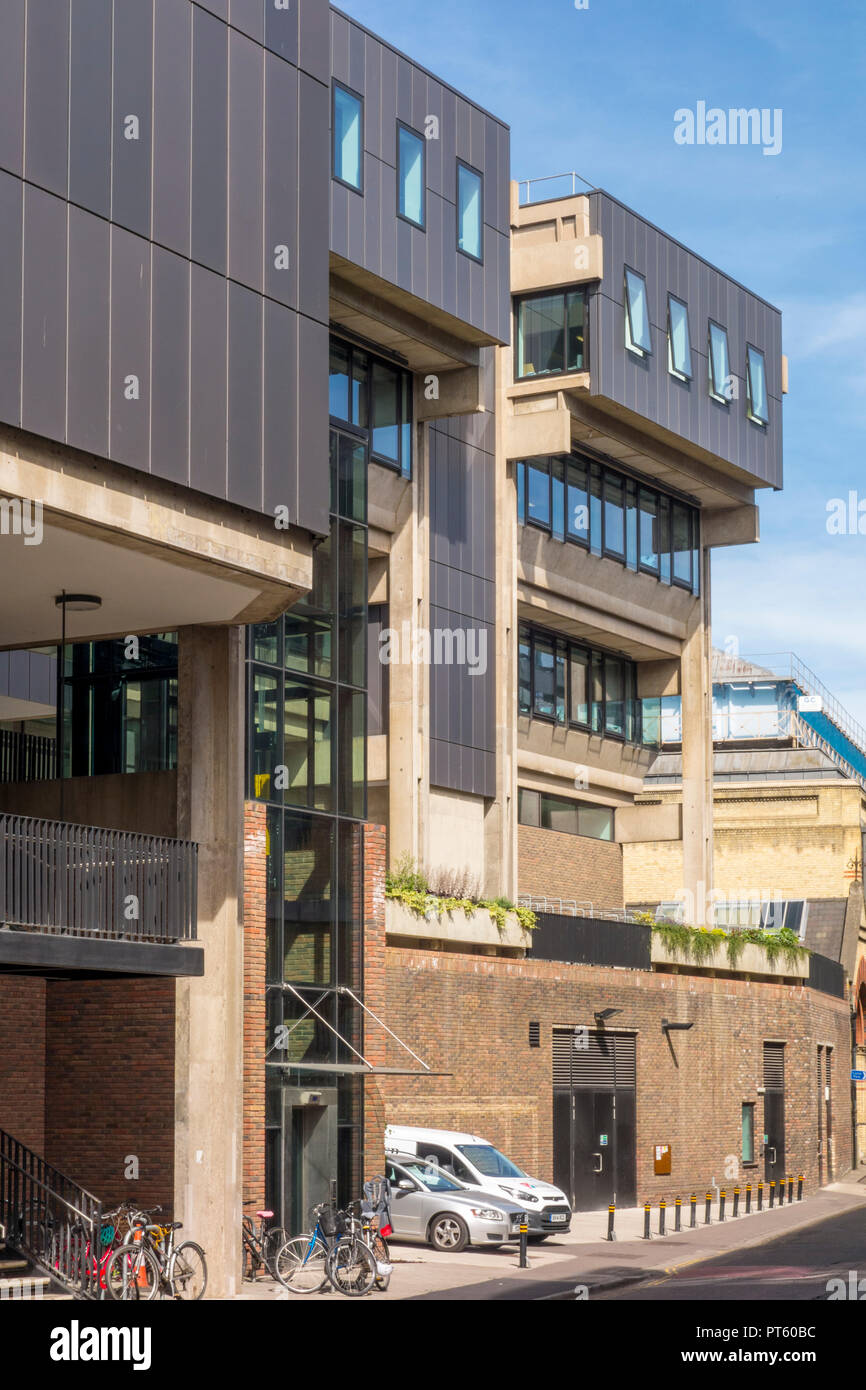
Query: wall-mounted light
{"type": "Point", "coordinates": [668, 1027]}
{"type": "Point", "coordinates": [602, 1015]}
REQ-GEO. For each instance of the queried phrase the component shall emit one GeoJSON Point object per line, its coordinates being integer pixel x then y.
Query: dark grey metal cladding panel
{"type": "Point", "coordinates": [12, 27]}
{"type": "Point", "coordinates": [133, 101]}
{"type": "Point", "coordinates": [209, 141]}
{"type": "Point", "coordinates": [313, 188]}
{"type": "Point", "coordinates": [220, 8]}
{"type": "Point", "coordinates": [462, 694]}
{"type": "Point", "coordinates": [89, 332]}
{"type": "Point", "coordinates": [466, 594]}
{"type": "Point", "coordinates": [461, 506]}
{"type": "Point", "coordinates": [28, 676]}
{"type": "Point", "coordinates": [90, 68]}
{"type": "Point", "coordinates": [281, 28]}
{"type": "Point", "coordinates": [249, 17]}
{"type": "Point", "coordinates": [11, 212]}
{"type": "Point", "coordinates": [468, 770]}
{"type": "Point", "coordinates": [130, 349]}
{"type": "Point", "coordinates": [43, 405]}
{"type": "Point", "coordinates": [208, 384]}
{"type": "Point", "coordinates": [314, 39]}
{"type": "Point", "coordinates": [281, 181]}
{"type": "Point", "coordinates": [647, 387]}
{"type": "Point", "coordinates": [280, 436]}
{"type": "Point", "coordinates": [46, 95]}
{"type": "Point", "coordinates": [172, 122]}
{"type": "Point", "coordinates": [245, 397]}
{"type": "Point", "coordinates": [313, 466]}
{"type": "Point", "coordinates": [169, 388]}
{"type": "Point", "coordinates": [246, 170]}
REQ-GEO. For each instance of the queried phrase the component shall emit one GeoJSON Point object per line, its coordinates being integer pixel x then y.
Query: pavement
{"type": "Point", "coordinates": [582, 1263]}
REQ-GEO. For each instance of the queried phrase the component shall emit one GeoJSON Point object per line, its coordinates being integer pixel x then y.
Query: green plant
{"type": "Point", "coordinates": [406, 877]}
{"type": "Point", "coordinates": [699, 943]}
{"type": "Point", "coordinates": [408, 884]}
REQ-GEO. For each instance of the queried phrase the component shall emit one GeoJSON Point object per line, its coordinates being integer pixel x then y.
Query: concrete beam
{"type": "Point", "coordinates": [730, 526]}
{"type": "Point", "coordinates": [441, 395]}
{"type": "Point", "coordinates": [550, 265]}
{"type": "Point", "coordinates": [403, 321]}
{"type": "Point", "coordinates": [545, 430]}
{"type": "Point", "coordinates": [657, 678]}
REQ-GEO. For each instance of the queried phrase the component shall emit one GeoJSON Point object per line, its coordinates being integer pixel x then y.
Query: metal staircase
{"type": "Point", "coordinates": [49, 1227]}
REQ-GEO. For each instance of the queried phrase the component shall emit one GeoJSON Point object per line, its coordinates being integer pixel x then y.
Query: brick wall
{"type": "Point", "coordinates": [22, 1059]}
{"type": "Point", "coordinates": [109, 1086]}
{"type": "Point", "coordinates": [255, 1020]}
{"type": "Point", "coordinates": [569, 866]}
{"type": "Point", "coordinates": [469, 1016]}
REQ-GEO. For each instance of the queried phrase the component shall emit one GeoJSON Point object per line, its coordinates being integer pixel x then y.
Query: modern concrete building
{"type": "Point", "coordinates": [323, 555]}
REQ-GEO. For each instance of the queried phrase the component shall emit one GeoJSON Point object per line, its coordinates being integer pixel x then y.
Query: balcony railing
{"type": "Point", "coordinates": [78, 880]}
{"type": "Point", "coordinates": [26, 757]}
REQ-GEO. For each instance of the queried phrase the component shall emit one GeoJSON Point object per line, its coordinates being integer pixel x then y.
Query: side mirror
{"type": "Point", "coordinates": [404, 1185]}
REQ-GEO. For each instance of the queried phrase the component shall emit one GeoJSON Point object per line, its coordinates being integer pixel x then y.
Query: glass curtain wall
{"type": "Point", "coordinates": [307, 679]}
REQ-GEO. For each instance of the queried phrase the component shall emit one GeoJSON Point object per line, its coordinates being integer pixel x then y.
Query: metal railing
{"type": "Point", "coordinates": [572, 907]}
{"type": "Point", "coordinates": [26, 757]}
{"type": "Point", "coordinates": [788, 666]}
{"type": "Point", "coordinates": [79, 880]}
{"type": "Point", "coordinates": [570, 180]}
{"type": "Point", "coordinates": [49, 1218]}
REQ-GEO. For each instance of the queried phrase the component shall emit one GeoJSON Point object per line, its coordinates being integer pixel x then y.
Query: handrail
{"type": "Point", "coordinates": [787, 665]}
{"type": "Point", "coordinates": [49, 1217]}
{"type": "Point", "coordinates": [27, 757]}
{"type": "Point", "coordinates": [549, 178]}
{"type": "Point", "coordinates": [82, 880]}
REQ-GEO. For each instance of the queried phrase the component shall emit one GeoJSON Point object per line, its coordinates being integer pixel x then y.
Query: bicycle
{"type": "Point", "coordinates": [364, 1222]}
{"type": "Point", "coordinates": [151, 1265]}
{"type": "Point", "coordinates": [261, 1247]}
{"type": "Point", "coordinates": [330, 1254]}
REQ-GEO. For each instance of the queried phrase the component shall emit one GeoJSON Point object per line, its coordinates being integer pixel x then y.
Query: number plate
{"type": "Point", "coordinates": [558, 1216]}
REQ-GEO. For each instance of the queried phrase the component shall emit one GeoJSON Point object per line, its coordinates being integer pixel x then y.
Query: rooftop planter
{"type": "Point", "coordinates": [747, 952]}
{"type": "Point", "coordinates": [412, 909]}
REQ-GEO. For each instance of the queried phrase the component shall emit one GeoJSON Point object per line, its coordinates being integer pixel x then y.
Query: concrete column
{"type": "Point", "coordinates": [409, 697]}
{"type": "Point", "coordinates": [696, 687]}
{"type": "Point", "coordinates": [500, 823]}
{"type": "Point", "coordinates": [209, 1026]}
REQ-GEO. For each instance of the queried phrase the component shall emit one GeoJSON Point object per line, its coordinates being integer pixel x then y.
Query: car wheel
{"type": "Point", "coordinates": [448, 1233]}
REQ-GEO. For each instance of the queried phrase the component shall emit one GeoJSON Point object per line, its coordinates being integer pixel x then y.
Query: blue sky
{"type": "Point", "coordinates": [595, 90]}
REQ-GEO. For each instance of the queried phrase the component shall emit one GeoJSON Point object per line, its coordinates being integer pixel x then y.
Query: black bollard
{"type": "Point", "coordinates": [707, 1212]}
{"type": "Point", "coordinates": [736, 1201]}
{"type": "Point", "coordinates": [693, 1219]}
{"type": "Point", "coordinates": [781, 1192]}
{"type": "Point", "coordinates": [647, 1234]}
{"type": "Point", "coordinates": [772, 1193]}
{"type": "Point", "coordinates": [748, 1198]}
{"type": "Point", "coordinates": [722, 1205]}
{"type": "Point", "coordinates": [790, 1189]}
{"type": "Point", "coordinates": [662, 1210]}
{"type": "Point", "coordinates": [800, 1188]}
{"type": "Point", "coordinates": [524, 1242]}
{"type": "Point", "coordinates": [678, 1214]}
{"type": "Point", "coordinates": [761, 1195]}
{"type": "Point", "coordinates": [611, 1213]}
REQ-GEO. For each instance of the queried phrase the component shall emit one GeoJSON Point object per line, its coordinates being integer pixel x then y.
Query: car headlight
{"type": "Point", "coordinates": [527, 1197]}
{"type": "Point", "coordinates": [488, 1214]}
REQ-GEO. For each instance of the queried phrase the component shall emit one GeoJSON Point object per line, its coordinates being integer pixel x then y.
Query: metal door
{"type": "Point", "coordinates": [774, 1111]}
{"type": "Point", "coordinates": [309, 1153]}
{"type": "Point", "coordinates": [594, 1117]}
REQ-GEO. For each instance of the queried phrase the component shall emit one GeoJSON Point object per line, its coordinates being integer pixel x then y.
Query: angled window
{"type": "Point", "coordinates": [469, 212]}
{"type": "Point", "coordinates": [348, 128]}
{"type": "Point", "coordinates": [637, 325]}
{"type": "Point", "coordinates": [679, 344]}
{"type": "Point", "coordinates": [720, 382]}
{"type": "Point", "coordinates": [411, 175]}
{"type": "Point", "coordinates": [550, 334]}
{"type": "Point", "coordinates": [756, 386]}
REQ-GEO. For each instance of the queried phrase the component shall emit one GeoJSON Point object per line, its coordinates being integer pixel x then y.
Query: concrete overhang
{"type": "Point", "coordinates": [158, 555]}
{"type": "Point", "coordinates": [75, 957]}
{"type": "Point", "coordinates": [423, 337]}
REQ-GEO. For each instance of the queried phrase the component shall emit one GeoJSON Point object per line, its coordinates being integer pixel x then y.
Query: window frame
{"type": "Point", "coordinates": [565, 295]}
{"type": "Point", "coordinates": [677, 372]}
{"type": "Point", "coordinates": [402, 216]}
{"type": "Point", "coordinates": [359, 97]}
{"type": "Point", "coordinates": [631, 344]}
{"type": "Point", "coordinates": [594, 661]}
{"type": "Point", "coordinates": [477, 173]}
{"type": "Point", "coordinates": [750, 411]}
{"type": "Point", "coordinates": [364, 433]}
{"type": "Point", "coordinates": [574, 804]}
{"type": "Point", "coordinates": [721, 399]}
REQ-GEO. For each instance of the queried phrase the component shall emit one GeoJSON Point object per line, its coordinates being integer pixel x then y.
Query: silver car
{"type": "Point", "coordinates": [432, 1207]}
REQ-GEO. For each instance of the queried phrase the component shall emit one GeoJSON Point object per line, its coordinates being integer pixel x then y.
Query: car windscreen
{"type": "Point", "coordinates": [432, 1178]}
{"type": "Point", "coordinates": [489, 1161]}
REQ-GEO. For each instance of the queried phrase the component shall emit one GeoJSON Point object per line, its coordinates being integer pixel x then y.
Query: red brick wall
{"type": "Point", "coordinates": [109, 1086]}
{"type": "Point", "coordinates": [469, 1016]}
{"type": "Point", "coordinates": [255, 1020]}
{"type": "Point", "coordinates": [557, 865]}
{"type": "Point", "coordinates": [375, 1038]}
{"type": "Point", "coordinates": [22, 1059]}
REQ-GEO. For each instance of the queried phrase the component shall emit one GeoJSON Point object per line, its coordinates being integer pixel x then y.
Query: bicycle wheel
{"type": "Point", "coordinates": [272, 1243]}
{"type": "Point", "coordinates": [299, 1265]}
{"type": "Point", "coordinates": [382, 1256]}
{"type": "Point", "coordinates": [351, 1267]}
{"type": "Point", "coordinates": [132, 1274]}
{"type": "Point", "coordinates": [187, 1273]}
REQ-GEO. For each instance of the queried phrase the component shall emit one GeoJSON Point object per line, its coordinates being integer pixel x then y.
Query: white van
{"type": "Point", "coordinates": [477, 1163]}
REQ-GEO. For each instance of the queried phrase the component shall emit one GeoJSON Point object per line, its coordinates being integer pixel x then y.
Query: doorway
{"type": "Point", "coordinates": [774, 1112]}
{"type": "Point", "coordinates": [309, 1138]}
{"type": "Point", "coordinates": [594, 1077]}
